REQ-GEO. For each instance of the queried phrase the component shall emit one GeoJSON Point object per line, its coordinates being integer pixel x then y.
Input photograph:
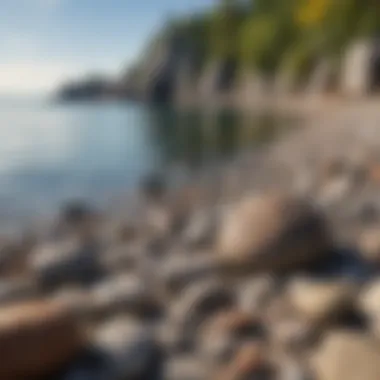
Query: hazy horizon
{"type": "Point", "coordinates": [46, 42]}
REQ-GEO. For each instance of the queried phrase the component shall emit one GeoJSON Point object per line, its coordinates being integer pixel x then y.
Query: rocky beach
{"type": "Point", "coordinates": [268, 270]}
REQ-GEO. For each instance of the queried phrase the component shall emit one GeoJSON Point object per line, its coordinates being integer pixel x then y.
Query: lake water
{"type": "Point", "coordinates": [50, 153]}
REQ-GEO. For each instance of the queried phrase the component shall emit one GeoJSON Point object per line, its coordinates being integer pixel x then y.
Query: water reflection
{"type": "Point", "coordinates": [52, 153]}
{"type": "Point", "coordinates": [194, 138]}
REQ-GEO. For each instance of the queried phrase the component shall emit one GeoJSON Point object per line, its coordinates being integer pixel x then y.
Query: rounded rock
{"type": "Point", "coordinates": [272, 233]}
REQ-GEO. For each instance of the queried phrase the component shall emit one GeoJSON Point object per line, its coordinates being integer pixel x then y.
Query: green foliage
{"type": "Point", "coordinates": [298, 61]}
{"type": "Point", "coordinates": [257, 38]}
{"type": "Point", "coordinates": [271, 34]}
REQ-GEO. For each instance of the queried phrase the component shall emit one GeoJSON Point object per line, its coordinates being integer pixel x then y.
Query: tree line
{"type": "Point", "coordinates": [271, 35]}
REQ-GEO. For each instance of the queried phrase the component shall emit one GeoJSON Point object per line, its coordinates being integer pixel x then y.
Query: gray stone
{"type": "Point", "coordinates": [201, 229]}
{"type": "Point", "coordinates": [291, 369]}
{"type": "Point", "coordinates": [221, 336]}
{"type": "Point", "coordinates": [65, 263]}
{"type": "Point", "coordinates": [124, 293]}
{"type": "Point", "coordinates": [286, 329]}
{"type": "Point", "coordinates": [171, 337]}
{"type": "Point", "coordinates": [199, 302]}
{"type": "Point", "coordinates": [255, 294]}
{"type": "Point", "coordinates": [122, 257]}
{"type": "Point", "coordinates": [178, 272]}
{"type": "Point", "coordinates": [130, 350]}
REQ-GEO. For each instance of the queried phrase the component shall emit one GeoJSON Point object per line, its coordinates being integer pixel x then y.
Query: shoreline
{"type": "Point", "coordinates": [286, 236]}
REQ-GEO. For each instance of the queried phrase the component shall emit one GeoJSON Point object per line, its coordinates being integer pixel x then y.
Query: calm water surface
{"type": "Point", "coordinates": [50, 153]}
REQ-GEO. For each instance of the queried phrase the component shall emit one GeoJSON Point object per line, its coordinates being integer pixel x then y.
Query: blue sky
{"type": "Point", "coordinates": [44, 42]}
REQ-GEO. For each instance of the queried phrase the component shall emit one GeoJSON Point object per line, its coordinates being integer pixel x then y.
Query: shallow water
{"type": "Point", "coordinates": [53, 152]}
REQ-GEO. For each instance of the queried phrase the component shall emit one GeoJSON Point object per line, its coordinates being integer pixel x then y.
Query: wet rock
{"type": "Point", "coordinates": [250, 362]}
{"type": "Point", "coordinates": [272, 233]}
{"type": "Point", "coordinates": [347, 355]}
{"type": "Point", "coordinates": [124, 293]}
{"type": "Point", "coordinates": [320, 301]}
{"type": "Point", "coordinates": [66, 263]}
{"type": "Point", "coordinates": [200, 302]}
{"type": "Point", "coordinates": [37, 339]}
{"type": "Point", "coordinates": [130, 350]}
{"type": "Point", "coordinates": [220, 337]}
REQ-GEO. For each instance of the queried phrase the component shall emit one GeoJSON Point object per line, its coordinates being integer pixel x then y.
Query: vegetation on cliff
{"type": "Point", "coordinates": [262, 36]}
{"type": "Point", "coordinates": [271, 35]}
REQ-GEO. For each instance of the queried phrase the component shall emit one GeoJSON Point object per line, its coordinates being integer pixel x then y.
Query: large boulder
{"type": "Point", "coordinates": [347, 355]}
{"type": "Point", "coordinates": [272, 233]}
{"type": "Point", "coordinates": [36, 339]}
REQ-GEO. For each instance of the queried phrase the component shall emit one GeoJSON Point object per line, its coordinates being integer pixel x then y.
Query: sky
{"type": "Point", "coordinates": [46, 42]}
